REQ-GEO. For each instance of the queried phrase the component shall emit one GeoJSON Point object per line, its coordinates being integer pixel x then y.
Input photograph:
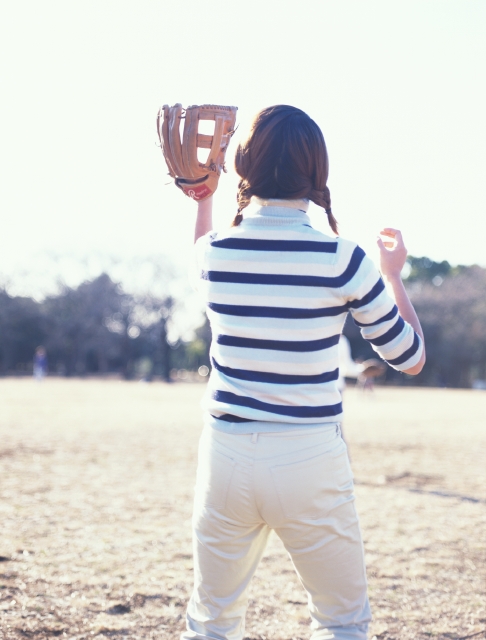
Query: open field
{"type": "Point", "coordinates": [96, 485]}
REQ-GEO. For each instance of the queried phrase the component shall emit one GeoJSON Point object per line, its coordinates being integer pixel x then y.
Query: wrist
{"type": "Point", "coordinates": [204, 218]}
{"type": "Point", "coordinates": [206, 203]}
{"type": "Point", "coordinates": [393, 277]}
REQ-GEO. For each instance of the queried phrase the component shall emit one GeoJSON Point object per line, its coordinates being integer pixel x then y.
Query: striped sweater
{"type": "Point", "coordinates": [277, 294]}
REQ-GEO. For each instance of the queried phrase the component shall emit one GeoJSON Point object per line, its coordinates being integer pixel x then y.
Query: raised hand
{"type": "Point", "coordinates": [393, 252]}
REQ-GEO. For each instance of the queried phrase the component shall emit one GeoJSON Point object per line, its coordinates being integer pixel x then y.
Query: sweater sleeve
{"type": "Point", "coordinates": [377, 316]}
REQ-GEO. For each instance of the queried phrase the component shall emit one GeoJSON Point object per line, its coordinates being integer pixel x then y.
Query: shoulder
{"type": "Point", "coordinates": [201, 247]}
{"type": "Point", "coordinates": [205, 240]}
{"type": "Point", "coordinates": [345, 243]}
{"type": "Point", "coordinates": [348, 252]}
{"type": "Point", "coordinates": [354, 266]}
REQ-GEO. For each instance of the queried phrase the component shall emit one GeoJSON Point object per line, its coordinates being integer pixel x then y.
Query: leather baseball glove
{"type": "Point", "coordinates": [198, 180]}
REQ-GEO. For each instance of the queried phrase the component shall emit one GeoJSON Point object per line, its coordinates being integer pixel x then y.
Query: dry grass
{"type": "Point", "coordinates": [96, 489]}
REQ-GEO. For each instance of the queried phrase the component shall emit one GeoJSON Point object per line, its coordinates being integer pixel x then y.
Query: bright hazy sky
{"type": "Point", "coordinates": [398, 88]}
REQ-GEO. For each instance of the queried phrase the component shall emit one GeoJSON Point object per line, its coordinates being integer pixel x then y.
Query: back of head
{"type": "Point", "coordinates": [284, 157]}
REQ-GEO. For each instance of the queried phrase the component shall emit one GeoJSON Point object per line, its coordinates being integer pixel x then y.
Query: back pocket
{"type": "Point", "coordinates": [213, 480]}
{"type": "Point", "coordinates": [310, 488]}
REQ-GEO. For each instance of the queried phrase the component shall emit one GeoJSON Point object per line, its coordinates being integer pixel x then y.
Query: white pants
{"type": "Point", "coordinates": [300, 484]}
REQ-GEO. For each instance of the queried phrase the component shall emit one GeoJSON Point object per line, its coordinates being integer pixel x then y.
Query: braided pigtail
{"type": "Point", "coordinates": [237, 219]}
{"type": "Point", "coordinates": [323, 199]}
{"type": "Point", "coordinates": [243, 198]}
{"type": "Point", "coordinates": [332, 221]}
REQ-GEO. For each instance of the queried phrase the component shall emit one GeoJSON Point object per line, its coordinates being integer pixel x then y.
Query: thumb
{"type": "Point", "coordinates": [380, 243]}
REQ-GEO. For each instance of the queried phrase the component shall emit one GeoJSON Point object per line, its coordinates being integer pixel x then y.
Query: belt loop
{"type": "Point", "coordinates": [254, 438]}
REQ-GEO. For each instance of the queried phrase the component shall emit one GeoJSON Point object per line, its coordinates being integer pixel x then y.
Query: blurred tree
{"type": "Point", "coordinates": [97, 327]}
{"type": "Point", "coordinates": [453, 316]}
{"type": "Point", "coordinates": [82, 336]}
{"type": "Point", "coordinates": [424, 269]}
{"type": "Point", "coordinates": [451, 305]}
{"type": "Point", "coordinates": [151, 315]}
{"type": "Point", "coordinates": [21, 331]}
{"type": "Point", "coordinates": [203, 335]}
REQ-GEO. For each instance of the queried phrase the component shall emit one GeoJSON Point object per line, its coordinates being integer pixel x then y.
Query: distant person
{"type": "Point", "coordinates": [370, 370]}
{"type": "Point", "coordinates": [40, 363]}
{"type": "Point", "coordinates": [271, 456]}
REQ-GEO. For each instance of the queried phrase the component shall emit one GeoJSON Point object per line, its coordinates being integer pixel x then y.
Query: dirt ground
{"type": "Point", "coordinates": [96, 485]}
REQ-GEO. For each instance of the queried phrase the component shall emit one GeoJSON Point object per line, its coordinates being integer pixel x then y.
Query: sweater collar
{"type": "Point", "coordinates": [300, 205]}
{"type": "Point", "coordinates": [276, 211]}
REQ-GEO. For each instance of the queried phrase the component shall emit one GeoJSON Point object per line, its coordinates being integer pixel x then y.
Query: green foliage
{"type": "Point", "coordinates": [453, 317]}
{"type": "Point", "coordinates": [451, 305]}
{"type": "Point", "coordinates": [425, 269]}
{"type": "Point", "coordinates": [22, 329]}
{"type": "Point", "coordinates": [92, 328]}
{"type": "Point", "coordinates": [195, 353]}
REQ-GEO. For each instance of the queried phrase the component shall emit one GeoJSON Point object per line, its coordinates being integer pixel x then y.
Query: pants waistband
{"type": "Point", "coordinates": [275, 443]}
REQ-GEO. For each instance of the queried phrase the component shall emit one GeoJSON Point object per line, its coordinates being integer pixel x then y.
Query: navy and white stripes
{"type": "Point", "coordinates": [277, 294]}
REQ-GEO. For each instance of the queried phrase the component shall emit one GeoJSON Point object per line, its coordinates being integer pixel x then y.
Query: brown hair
{"type": "Point", "coordinates": [284, 157]}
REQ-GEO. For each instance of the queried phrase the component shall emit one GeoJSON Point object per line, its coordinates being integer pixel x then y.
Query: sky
{"type": "Point", "coordinates": [397, 86]}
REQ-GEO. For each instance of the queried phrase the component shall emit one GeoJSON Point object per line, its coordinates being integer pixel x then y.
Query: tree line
{"type": "Point", "coordinates": [98, 328]}
{"type": "Point", "coordinates": [451, 305]}
{"type": "Point", "coordinates": [95, 328]}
